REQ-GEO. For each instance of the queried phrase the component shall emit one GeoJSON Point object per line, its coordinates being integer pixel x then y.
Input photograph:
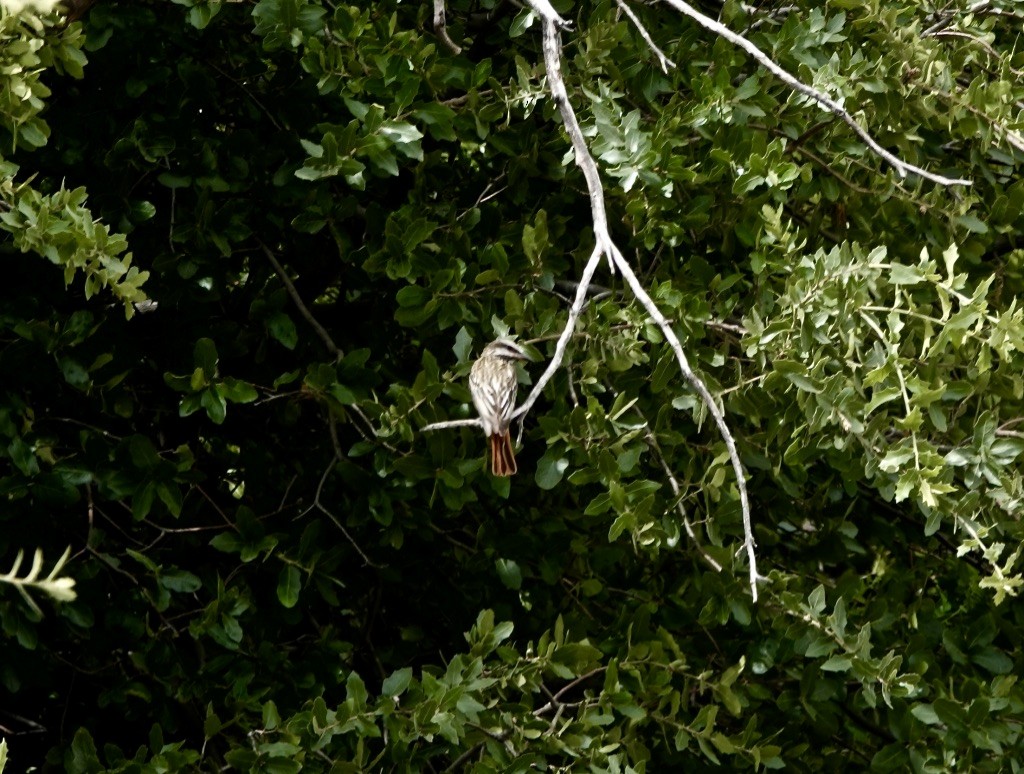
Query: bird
{"type": "Point", "coordinates": [493, 384]}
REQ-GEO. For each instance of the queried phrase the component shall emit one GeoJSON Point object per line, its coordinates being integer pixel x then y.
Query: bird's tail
{"type": "Point", "coordinates": [503, 460]}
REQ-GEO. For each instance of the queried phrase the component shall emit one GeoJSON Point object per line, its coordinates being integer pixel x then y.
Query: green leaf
{"type": "Point", "coordinates": [82, 757]}
{"type": "Point", "coordinates": [412, 296]}
{"type": "Point", "coordinates": [535, 237]}
{"type": "Point", "coordinates": [550, 469]}
{"type": "Point", "coordinates": [212, 724]}
{"type": "Point", "coordinates": [283, 330]}
{"type": "Point", "coordinates": [523, 21]}
{"type": "Point", "coordinates": [463, 345]}
{"type": "Point", "coordinates": [289, 584]}
{"type": "Point", "coordinates": [214, 403]}
{"type": "Point", "coordinates": [237, 391]}
{"type": "Point", "coordinates": [397, 682]}
{"type": "Point", "coordinates": [174, 181]}
{"type": "Point", "coordinates": [180, 581]}
{"type": "Point", "coordinates": [22, 456]}
{"type": "Point", "coordinates": [925, 713]}
{"type": "Point", "coordinates": [142, 500]}
{"type": "Point", "coordinates": [509, 572]}
{"type": "Point", "coordinates": [170, 495]}
{"type": "Point", "coordinates": [890, 758]}
{"type": "Point", "coordinates": [837, 664]}
{"type": "Point", "coordinates": [816, 600]}
{"type": "Point", "coordinates": [971, 223]}
{"type": "Point", "coordinates": [205, 357]}
{"type": "Point", "coordinates": [900, 274]}
{"type": "Point", "coordinates": [143, 453]}
{"type": "Point", "coordinates": [228, 542]}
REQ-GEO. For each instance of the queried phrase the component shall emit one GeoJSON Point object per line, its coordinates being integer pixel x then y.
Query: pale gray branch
{"type": "Point", "coordinates": [548, 14]}
{"type": "Point", "coordinates": [553, 65]}
{"type": "Point", "coordinates": [705, 394]}
{"type": "Point", "coordinates": [901, 167]}
{"type": "Point", "coordinates": [563, 340]}
{"type": "Point", "coordinates": [605, 246]}
{"type": "Point", "coordinates": [663, 60]}
{"type": "Point", "coordinates": [981, 42]}
{"type": "Point", "coordinates": [441, 28]}
{"type": "Point", "coordinates": [474, 422]}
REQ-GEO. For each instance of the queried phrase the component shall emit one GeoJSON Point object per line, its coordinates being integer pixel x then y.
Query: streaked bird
{"type": "Point", "coordinates": [492, 381]}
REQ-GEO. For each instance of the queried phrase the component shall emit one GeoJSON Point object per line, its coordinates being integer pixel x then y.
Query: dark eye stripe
{"type": "Point", "coordinates": [509, 351]}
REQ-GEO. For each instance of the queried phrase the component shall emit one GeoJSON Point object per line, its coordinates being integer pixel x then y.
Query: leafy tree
{"type": "Point", "coordinates": [251, 250]}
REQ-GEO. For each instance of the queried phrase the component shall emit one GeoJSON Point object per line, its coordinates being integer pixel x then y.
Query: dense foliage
{"type": "Point", "coordinates": [251, 248]}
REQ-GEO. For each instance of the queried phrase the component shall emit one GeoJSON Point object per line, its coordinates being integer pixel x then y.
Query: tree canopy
{"type": "Point", "coordinates": [250, 252]}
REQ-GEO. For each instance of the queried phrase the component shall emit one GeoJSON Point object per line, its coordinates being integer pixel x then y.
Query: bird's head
{"type": "Point", "coordinates": [506, 349]}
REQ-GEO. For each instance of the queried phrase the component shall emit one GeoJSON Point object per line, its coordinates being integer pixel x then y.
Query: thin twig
{"type": "Point", "coordinates": [597, 292]}
{"type": "Point", "coordinates": [563, 340]}
{"type": "Point", "coordinates": [981, 42]}
{"type": "Point", "coordinates": [78, 422]}
{"type": "Point", "coordinates": [441, 28]}
{"type": "Point", "coordinates": [457, 764]}
{"type": "Point", "coordinates": [771, 16]}
{"type": "Point", "coordinates": [1013, 139]}
{"type": "Point", "coordinates": [739, 330]}
{"type": "Point", "coordinates": [321, 332]}
{"type": "Point", "coordinates": [170, 219]}
{"type": "Point", "coordinates": [474, 422]}
{"type": "Point", "coordinates": [663, 60]}
{"type": "Point", "coordinates": [245, 90]}
{"type": "Point", "coordinates": [325, 337]}
{"type": "Point", "coordinates": [947, 17]}
{"type": "Point", "coordinates": [557, 698]}
{"type": "Point", "coordinates": [901, 167]}
{"type": "Point", "coordinates": [652, 442]}
{"type": "Point", "coordinates": [337, 522]}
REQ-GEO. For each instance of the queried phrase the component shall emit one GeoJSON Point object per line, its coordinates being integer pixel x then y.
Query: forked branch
{"type": "Point", "coordinates": [605, 246]}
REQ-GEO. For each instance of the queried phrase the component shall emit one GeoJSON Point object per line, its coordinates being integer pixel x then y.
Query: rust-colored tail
{"type": "Point", "coordinates": [503, 460]}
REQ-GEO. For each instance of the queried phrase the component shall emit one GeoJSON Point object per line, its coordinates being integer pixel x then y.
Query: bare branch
{"type": "Point", "coordinates": [605, 246]}
{"type": "Point", "coordinates": [553, 65]}
{"type": "Point", "coordinates": [769, 16]}
{"type": "Point", "coordinates": [1012, 138]}
{"type": "Point", "coordinates": [546, 11]}
{"type": "Point", "coordinates": [705, 394]}
{"type": "Point", "coordinates": [663, 60]}
{"type": "Point", "coordinates": [441, 28]}
{"type": "Point", "coordinates": [475, 422]}
{"type": "Point", "coordinates": [901, 167]}
{"type": "Point", "coordinates": [563, 340]}
{"type": "Point", "coordinates": [981, 42]}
